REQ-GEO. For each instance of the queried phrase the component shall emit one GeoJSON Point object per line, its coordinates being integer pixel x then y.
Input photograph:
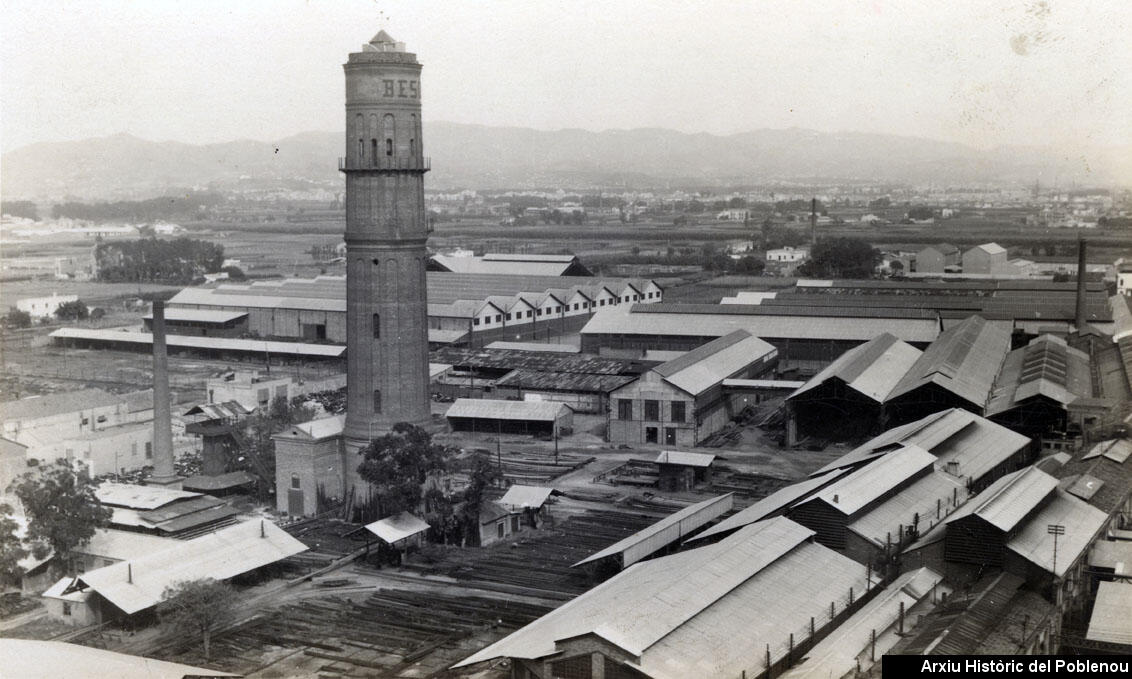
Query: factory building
{"type": "Point", "coordinates": [540, 418]}
{"type": "Point", "coordinates": [956, 371]}
{"type": "Point", "coordinates": [937, 258]}
{"type": "Point", "coordinates": [129, 587]}
{"type": "Point", "coordinates": [164, 512]}
{"type": "Point", "coordinates": [1038, 384]}
{"type": "Point", "coordinates": [484, 306]}
{"type": "Point", "coordinates": [987, 259]}
{"type": "Point", "coordinates": [683, 401]}
{"type": "Point", "coordinates": [848, 395]}
{"type": "Point", "coordinates": [723, 610]}
{"type": "Point", "coordinates": [806, 339]}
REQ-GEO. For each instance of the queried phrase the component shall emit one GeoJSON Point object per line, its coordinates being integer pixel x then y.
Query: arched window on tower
{"type": "Point", "coordinates": [361, 151]}
{"type": "Point", "coordinates": [389, 132]}
{"type": "Point", "coordinates": [373, 147]}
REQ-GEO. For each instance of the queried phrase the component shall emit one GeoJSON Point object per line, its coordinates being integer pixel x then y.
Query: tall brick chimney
{"type": "Point", "coordinates": [1081, 316]}
{"type": "Point", "coordinates": [164, 474]}
{"type": "Point", "coordinates": [813, 222]}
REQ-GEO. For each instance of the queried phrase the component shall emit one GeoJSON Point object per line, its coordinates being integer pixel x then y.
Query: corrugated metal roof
{"type": "Point", "coordinates": [918, 500]}
{"type": "Point", "coordinates": [223, 554]}
{"type": "Point", "coordinates": [509, 359]}
{"type": "Point", "coordinates": [317, 429]}
{"type": "Point", "coordinates": [527, 497]}
{"type": "Point", "coordinates": [1117, 450]}
{"type": "Point", "coordinates": [535, 347]}
{"type": "Point", "coordinates": [393, 529]}
{"type": "Point", "coordinates": [852, 492]}
{"type": "Point", "coordinates": [199, 315]}
{"type": "Point", "coordinates": [776, 501]}
{"type": "Point", "coordinates": [224, 481]}
{"type": "Point", "coordinates": [1046, 366]}
{"type": "Point", "coordinates": [48, 659]}
{"type": "Point", "coordinates": [790, 307]}
{"type": "Point", "coordinates": [687, 459]}
{"type": "Point", "coordinates": [1084, 486]}
{"type": "Point", "coordinates": [1082, 523]}
{"type": "Point", "coordinates": [228, 410]}
{"type": "Point", "coordinates": [872, 369]}
{"type": "Point", "coordinates": [512, 265]}
{"type": "Point", "coordinates": [618, 321]}
{"type": "Point", "coordinates": [1111, 613]}
{"type": "Point", "coordinates": [34, 407]}
{"type": "Point", "coordinates": [708, 365]}
{"type": "Point", "coordinates": [490, 409]}
{"type": "Point", "coordinates": [1114, 554]}
{"type": "Point", "coordinates": [123, 545]}
{"type": "Point", "coordinates": [990, 248]}
{"type": "Point", "coordinates": [837, 654]}
{"type": "Point", "coordinates": [139, 497]}
{"type": "Point", "coordinates": [964, 360]}
{"type": "Point", "coordinates": [975, 444]}
{"type": "Point", "coordinates": [733, 598]}
{"type": "Point", "coordinates": [1009, 499]}
{"type": "Point", "coordinates": [210, 343]}
{"type": "Point", "coordinates": [762, 384]}
{"type": "Point", "coordinates": [668, 530]}
{"type": "Point", "coordinates": [563, 381]}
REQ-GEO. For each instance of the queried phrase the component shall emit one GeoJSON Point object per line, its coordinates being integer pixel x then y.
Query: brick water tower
{"type": "Point", "coordinates": [386, 230]}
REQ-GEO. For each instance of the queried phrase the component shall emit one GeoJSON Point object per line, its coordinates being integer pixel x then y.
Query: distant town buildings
{"type": "Point", "coordinates": [44, 307]}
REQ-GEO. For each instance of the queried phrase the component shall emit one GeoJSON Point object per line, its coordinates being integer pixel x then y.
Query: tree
{"type": "Point", "coordinates": [396, 466]}
{"type": "Point", "coordinates": [752, 266]}
{"type": "Point", "coordinates": [482, 475]}
{"type": "Point", "coordinates": [920, 212]}
{"type": "Point", "coordinates": [896, 267]}
{"type": "Point", "coordinates": [20, 208]}
{"type": "Point", "coordinates": [880, 203]}
{"type": "Point", "coordinates": [841, 258]}
{"type": "Point", "coordinates": [61, 507]}
{"type": "Point", "coordinates": [72, 311]}
{"type": "Point", "coordinates": [17, 318]}
{"type": "Point", "coordinates": [197, 607]}
{"type": "Point", "coordinates": [11, 548]}
{"type": "Point", "coordinates": [235, 273]}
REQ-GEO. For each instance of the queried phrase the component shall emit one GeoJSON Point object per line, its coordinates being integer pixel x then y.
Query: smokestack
{"type": "Point", "coordinates": [164, 474]}
{"type": "Point", "coordinates": [1081, 317]}
{"type": "Point", "coordinates": [813, 221]}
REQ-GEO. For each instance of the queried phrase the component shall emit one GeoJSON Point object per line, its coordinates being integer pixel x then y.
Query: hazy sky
{"type": "Point", "coordinates": [979, 72]}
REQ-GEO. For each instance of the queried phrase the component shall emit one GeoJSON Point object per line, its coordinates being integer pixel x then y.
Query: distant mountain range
{"type": "Point", "coordinates": [480, 157]}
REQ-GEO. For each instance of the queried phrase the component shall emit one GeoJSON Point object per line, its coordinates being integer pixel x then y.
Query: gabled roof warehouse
{"type": "Point", "coordinates": [668, 530]}
{"type": "Point", "coordinates": [965, 444]}
{"type": "Point", "coordinates": [1081, 521]}
{"type": "Point", "coordinates": [29, 659]}
{"type": "Point", "coordinates": [138, 584]}
{"type": "Point", "coordinates": [769, 505]}
{"type": "Point", "coordinates": [962, 362]}
{"type": "Point", "coordinates": [871, 369]}
{"type": "Point", "coordinates": [707, 612]}
{"type": "Point", "coordinates": [1111, 613]}
{"type": "Point", "coordinates": [706, 366]}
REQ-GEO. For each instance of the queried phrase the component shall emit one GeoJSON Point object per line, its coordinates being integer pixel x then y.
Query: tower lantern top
{"type": "Point", "coordinates": [383, 42]}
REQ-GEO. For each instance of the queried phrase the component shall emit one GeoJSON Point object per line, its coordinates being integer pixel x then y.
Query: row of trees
{"type": "Point", "coordinates": [184, 207]}
{"type": "Point", "coordinates": [149, 260]}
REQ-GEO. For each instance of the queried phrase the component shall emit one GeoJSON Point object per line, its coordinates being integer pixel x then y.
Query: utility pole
{"type": "Point", "coordinates": [1056, 529]}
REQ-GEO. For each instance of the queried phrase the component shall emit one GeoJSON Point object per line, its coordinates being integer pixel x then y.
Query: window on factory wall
{"type": "Point", "coordinates": [498, 318]}
{"type": "Point", "coordinates": [476, 322]}
{"type": "Point", "coordinates": [678, 411]}
{"type": "Point", "coordinates": [377, 400]}
{"type": "Point", "coordinates": [530, 313]}
{"type": "Point", "coordinates": [361, 151]}
{"type": "Point", "coordinates": [373, 149]}
{"type": "Point", "coordinates": [148, 450]}
{"type": "Point", "coordinates": [652, 411]}
{"type": "Point", "coordinates": [134, 449]}
{"type": "Point", "coordinates": [499, 528]}
{"type": "Point", "coordinates": [66, 608]}
{"type": "Point", "coordinates": [295, 481]}
{"type": "Point", "coordinates": [388, 147]}
{"type": "Point", "coordinates": [377, 326]}
{"type": "Point", "coordinates": [624, 409]}
{"type": "Point", "coordinates": [650, 434]}
{"type": "Point", "coordinates": [100, 419]}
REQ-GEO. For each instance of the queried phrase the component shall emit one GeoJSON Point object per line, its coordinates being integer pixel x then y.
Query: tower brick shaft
{"type": "Point", "coordinates": [386, 231]}
{"type": "Point", "coordinates": [1081, 315]}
